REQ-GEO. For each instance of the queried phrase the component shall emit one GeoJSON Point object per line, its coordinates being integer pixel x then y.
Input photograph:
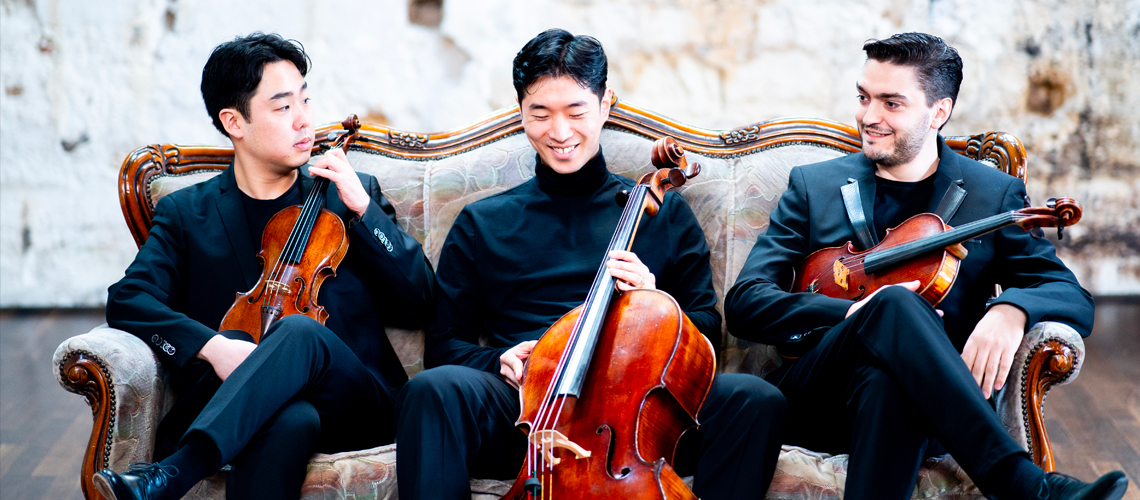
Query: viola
{"type": "Point", "coordinates": [301, 246]}
{"type": "Point", "coordinates": [922, 248]}
{"type": "Point", "coordinates": [611, 386]}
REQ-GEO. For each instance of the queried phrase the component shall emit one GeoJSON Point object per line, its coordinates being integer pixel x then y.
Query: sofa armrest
{"type": "Point", "coordinates": [1050, 354]}
{"type": "Point", "coordinates": [123, 383]}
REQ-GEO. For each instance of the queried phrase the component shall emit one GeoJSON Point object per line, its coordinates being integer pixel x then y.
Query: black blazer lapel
{"type": "Point", "coordinates": [867, 186]}
{"type": "Point", "coordinates": [232, 213]}
{"type": "Point", "coordinates": [949, 187]}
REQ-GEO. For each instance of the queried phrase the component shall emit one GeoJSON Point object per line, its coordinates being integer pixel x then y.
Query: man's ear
{"type": "Point", "coordinates": [941, 115]}
{"type": "Point", "coordinates": [607, 98]}
{"type": "Point", "coordinates": [232, 122]}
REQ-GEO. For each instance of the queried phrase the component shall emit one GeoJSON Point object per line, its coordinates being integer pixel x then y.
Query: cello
{"type": "Point", "coordinates": [922, 248]}
{"type": "Point", "coordinates": [301, 246]}
{"type": "Point", "coordinates": [610, 387]}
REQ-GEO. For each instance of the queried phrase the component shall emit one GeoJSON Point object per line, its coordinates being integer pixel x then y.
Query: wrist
{"type": "Point", "coordinates": [210, 347]}
{"type": "Point", "coordinates": [1013, 316]}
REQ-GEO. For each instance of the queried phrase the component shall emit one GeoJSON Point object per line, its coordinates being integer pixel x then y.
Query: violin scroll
{"type": "Point", "coordinates": [351, 127]}
{"type": "Point", "coordinates": [1057, 212]}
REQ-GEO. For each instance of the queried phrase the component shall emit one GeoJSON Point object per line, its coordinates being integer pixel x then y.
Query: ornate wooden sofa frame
{"type": "Point", "coordinates": [430, 177]}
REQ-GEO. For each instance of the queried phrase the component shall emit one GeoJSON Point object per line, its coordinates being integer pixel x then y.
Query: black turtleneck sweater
{"type": "Point", "coordinates": [517, 261]}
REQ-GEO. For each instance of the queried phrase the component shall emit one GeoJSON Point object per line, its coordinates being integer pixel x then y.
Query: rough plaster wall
{"type": "Point", "coordinates": [85, 82]}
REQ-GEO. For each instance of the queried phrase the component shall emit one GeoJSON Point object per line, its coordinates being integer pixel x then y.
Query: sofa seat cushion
{"type": "Point", "coordinates": [800, 474]}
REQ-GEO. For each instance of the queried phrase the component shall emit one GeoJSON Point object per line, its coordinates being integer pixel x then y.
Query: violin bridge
{"type": "Point", "coordinates": [548, 440]}
{"type": "Point", "coordinates": [840, 272]}
{"type": "Point", "coordinates": [277, 287]}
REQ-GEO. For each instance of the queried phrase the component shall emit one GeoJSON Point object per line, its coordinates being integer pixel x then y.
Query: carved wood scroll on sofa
{"type": "Point", "coordinates": [430, 177]}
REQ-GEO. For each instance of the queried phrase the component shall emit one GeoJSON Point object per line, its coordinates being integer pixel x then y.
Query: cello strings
{"type": "Point", "coordinates": [623, 232]}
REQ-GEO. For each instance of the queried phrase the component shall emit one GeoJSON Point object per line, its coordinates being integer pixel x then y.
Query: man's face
{"type": "Point", "coordinates": [893, 118]}
{"type": "Point", "coordinates": [563, 121]}
{"type": "Point", "coordinates": [278, 132]}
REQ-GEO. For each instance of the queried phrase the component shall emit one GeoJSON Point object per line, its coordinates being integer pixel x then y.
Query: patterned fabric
{"type": "Point", "coordinates": [732, 198]}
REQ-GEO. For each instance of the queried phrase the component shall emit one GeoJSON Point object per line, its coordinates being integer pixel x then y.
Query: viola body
{"type": "Point", "coordinates": [294, 287]}
{"type": "Point", "coordinates": [838, 271]}
{"type": "Point", "coordinates": [651, 371]}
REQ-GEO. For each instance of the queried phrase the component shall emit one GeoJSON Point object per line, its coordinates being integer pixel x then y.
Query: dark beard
{"type": "Point", "coordinates": [907, 146]}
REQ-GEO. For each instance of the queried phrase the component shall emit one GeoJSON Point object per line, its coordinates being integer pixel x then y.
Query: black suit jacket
{"type": "Point", "coordinates": [811, 215]}
{"type": "Point", "coordinates": [200, 254]}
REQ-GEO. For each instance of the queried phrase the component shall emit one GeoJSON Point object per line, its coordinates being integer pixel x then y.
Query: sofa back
{"type": "Point", "coordinates": [429, 178]}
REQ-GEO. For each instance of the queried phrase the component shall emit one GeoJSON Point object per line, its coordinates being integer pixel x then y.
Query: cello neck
{"type": "Point", "coordinates": [588, 327]}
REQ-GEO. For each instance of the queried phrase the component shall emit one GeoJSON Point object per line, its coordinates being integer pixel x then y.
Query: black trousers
{"type": "Point", "coordinates": [456, 423]}
{"type": "Point", "coordinates": [881, 385]}
{"type": "Point", "coordinates": [302, 390]}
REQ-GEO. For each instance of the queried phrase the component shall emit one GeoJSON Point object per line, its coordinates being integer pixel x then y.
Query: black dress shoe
{"type": "Point", "coordinates": [1110, 486]}
{"type": "Point", "coordinates": [140, 482]}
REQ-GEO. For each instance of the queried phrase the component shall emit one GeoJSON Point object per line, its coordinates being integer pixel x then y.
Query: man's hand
{"type": "Point", "coordinates": [511, 362]}
{"type": "Point", "coordinates": [225, 354]}
{"type": "Point", "coordinates": [334, 166]}
{"type": "Point", "coordinates": [989, 350]}
{"type": "Point", "coordinates": [630, 272]}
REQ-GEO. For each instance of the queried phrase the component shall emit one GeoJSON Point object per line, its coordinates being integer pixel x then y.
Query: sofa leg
{"type": "Point", "coordinates": [1052, 362]}
{"type": "Point", "coordinates": [86, 374]}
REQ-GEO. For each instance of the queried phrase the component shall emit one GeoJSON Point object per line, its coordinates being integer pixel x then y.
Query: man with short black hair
{"type": "Point", "coordinates": [517, 261]}
{"type": "Point", "coordinates": [265, 408]}
{"type": "Point", "coordinates": [881, 378]}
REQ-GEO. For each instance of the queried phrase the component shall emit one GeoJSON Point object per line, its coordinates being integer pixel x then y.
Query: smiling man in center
{"type": "Point", "coordinates": [515, 262]}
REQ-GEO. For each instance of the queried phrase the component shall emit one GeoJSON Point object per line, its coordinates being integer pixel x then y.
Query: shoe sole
{"type": "Point", "coordinates": [103, 487]}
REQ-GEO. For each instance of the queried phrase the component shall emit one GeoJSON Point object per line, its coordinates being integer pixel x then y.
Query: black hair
{"type": "Point", "coordinates": [938, 65]}
{"type": "Point", "coordinates": [555, 53]}
{"type": "Point", "coordinates": [233, 72]}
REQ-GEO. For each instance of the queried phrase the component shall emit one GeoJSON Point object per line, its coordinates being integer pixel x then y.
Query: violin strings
{"type": "Point", "coordinates": [859, 263]}
{"type": "Point", "coordinates": [304, 220]}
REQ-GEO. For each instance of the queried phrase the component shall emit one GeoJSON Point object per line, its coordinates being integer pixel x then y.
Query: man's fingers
{"type": "Point", "coordinates": [969, 353]}
{"type": "Point", "coordinates": [990, 375]}
{"type": "Point", "coordinates": [1003, 368]}
{"type": "Point", "coordinates": [978, 369]}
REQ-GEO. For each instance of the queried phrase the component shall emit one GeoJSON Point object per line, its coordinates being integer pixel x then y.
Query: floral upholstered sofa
{"type": "Point", "coordinates": [430, 177]}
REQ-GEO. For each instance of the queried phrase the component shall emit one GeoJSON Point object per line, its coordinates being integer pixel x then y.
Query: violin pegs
{"type": "Point", "coordinates": [693, 170]}
{"type": "Point", "coordinates": [622, 197]}
{"type": "Point", "coordinates": [1051, 203]}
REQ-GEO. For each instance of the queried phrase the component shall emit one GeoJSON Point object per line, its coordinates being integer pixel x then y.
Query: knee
{"type": "Point", "coordinates": [296, 423]}
{"type": "Point", "coordinates": [439, 384]}
{"type": "Point", "coordinates": [896, 296]}
{"type": "Point", "coordinates": [745, 393]}
{"type": "Point", "coordinates": [297, 328]}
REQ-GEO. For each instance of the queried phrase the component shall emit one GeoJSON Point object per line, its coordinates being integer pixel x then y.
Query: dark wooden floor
{"type": "Point", "coordinates": [1094, 422]}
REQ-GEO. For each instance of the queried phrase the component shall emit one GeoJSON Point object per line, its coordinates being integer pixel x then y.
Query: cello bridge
{"type": "Point", "coordinates": [548, 440]}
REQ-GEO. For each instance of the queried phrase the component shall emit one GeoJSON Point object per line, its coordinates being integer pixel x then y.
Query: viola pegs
{"type": "Point", "coordinates": [1051, 203]}
{"type": "Point", "coordinates": [622, 197]}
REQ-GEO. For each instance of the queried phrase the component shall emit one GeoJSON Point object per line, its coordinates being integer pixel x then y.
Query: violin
{"type": "Point", "coordinates": [922, 248]}
{"type": "Point", "coordinates": [301, 246]}
{"type": "Point", "coordinates": [611, 386]}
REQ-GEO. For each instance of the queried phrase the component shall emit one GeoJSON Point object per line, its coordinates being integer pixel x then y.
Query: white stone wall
{"type": "Point", "coordinates": [87, 81]}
